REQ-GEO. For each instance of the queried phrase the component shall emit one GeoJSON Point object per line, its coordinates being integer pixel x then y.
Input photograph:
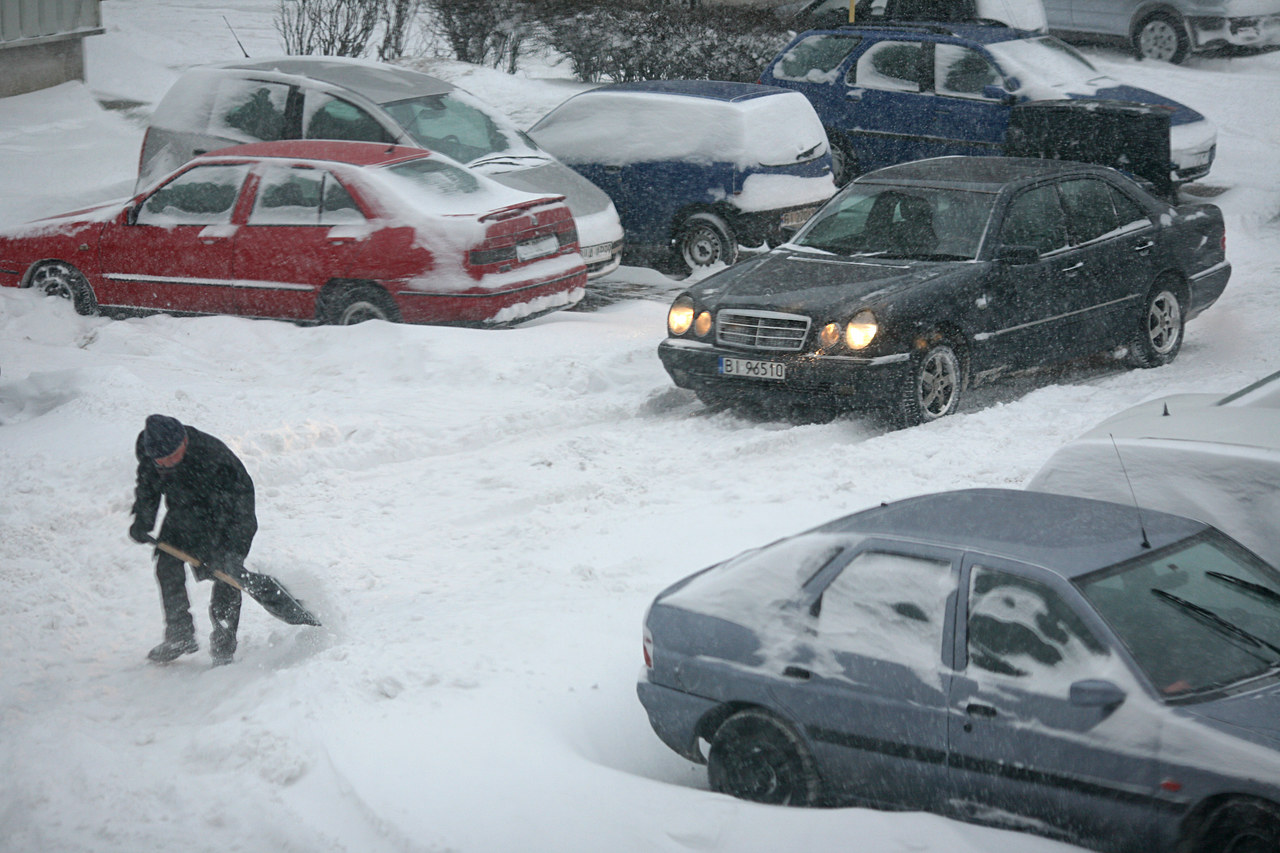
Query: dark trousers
{"type": "Point", "coordinates": [224, 606]}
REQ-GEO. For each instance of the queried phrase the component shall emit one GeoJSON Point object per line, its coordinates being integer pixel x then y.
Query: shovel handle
{"type": "Point", "coordinates": [194, 562]}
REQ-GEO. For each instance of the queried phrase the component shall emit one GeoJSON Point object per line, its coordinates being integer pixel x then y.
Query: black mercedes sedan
{"type": "Point", "coordinates": [920, 279]}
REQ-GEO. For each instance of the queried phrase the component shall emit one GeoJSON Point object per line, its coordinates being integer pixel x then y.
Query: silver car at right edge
{"type": "Point", "coordinates": [1170, 30]}
{"type": "Point", "coordinates": [1059, 665]}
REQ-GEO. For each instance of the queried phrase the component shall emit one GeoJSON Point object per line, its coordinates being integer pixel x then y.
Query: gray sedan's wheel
{"type": "Point", "coordinates": [350, 305]}
{"type": "Point", "coordinates": [704, 240]}
{"type": "Point", "coordinates": [755, 756]}
{"type": "Point", "coordinates": [60, 279]}
{"type": "Point", "coordinates": [1161, 36]}
{"type": "Point", "coordinates": [933, 387]}
{"type": "Point", "coordinates": [1158, 337]}
{"type": "Point", "coordinates": [1242, 826]}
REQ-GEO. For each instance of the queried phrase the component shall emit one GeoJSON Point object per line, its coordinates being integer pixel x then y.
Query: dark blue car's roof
{"type": "Point", "coordinates": [714, 90]}
{"type": "Point", "coordinates": [1069, 535]}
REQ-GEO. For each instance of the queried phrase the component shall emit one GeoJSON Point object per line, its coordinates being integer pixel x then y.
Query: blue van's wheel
{"type": "Point", "coordinates": [705, 240]}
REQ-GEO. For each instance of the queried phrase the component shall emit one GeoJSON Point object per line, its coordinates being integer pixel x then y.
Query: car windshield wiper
{"type": "Point", "coordinates": [1207, 616]}
{"type": "Point", "coordinates": [1256, 588]}
{"type": "Point", "coordinates": [499, 158]}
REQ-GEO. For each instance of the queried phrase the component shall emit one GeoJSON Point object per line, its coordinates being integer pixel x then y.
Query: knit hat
{"type": "Point", "coordinates": [163, 436]}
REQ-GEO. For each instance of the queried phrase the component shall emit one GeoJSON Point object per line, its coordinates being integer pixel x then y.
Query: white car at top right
{"type": "Point", "coordinates": [1170, 30]}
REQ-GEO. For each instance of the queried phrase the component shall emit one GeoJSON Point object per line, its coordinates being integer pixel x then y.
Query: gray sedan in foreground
{"type": "Point", "coordinates": [1066, 666]}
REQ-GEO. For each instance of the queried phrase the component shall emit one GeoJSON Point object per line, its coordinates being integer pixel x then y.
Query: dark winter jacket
{"type": "Point", "coordinates": [209, 499]}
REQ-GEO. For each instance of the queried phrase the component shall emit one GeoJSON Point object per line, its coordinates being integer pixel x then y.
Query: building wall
{"type": "Point", "coordinates": [42, 42]}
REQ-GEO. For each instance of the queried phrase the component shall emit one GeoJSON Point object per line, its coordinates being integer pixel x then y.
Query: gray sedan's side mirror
{"type": "Point", "coordinates": [1096, 693]}
{"type": "Point", "coordinates": [1017, 255]}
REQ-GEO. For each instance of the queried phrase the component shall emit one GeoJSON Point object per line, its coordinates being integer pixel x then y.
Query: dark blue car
{"type": "Point", "coordinates": [696, 168]}
{"type": "Point", "coordinates": [897, 92]}
{"type": "Point", "coordinates": [1055, 664]}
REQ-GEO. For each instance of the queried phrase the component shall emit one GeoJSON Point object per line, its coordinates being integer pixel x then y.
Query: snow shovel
{"type": "Point", "coordinates": [264, 589]}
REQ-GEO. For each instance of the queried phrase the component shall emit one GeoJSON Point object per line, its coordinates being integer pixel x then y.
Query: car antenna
{"type": "Point", "coordinates": [236, 37]}
{"type": "Point", "coordinates": [1146, 543]}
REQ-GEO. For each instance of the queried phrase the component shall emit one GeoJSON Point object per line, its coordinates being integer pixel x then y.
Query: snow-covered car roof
{"type": "Point", "coordinates": [1212, 457]}
{"type": "Point", "coordinates": [699, 121]}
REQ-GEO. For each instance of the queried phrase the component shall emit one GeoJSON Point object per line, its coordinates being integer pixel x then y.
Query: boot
{"type": "Point", "coordinates": [224, 612]}
{"type": "Point", "coordinates": [173, 649]}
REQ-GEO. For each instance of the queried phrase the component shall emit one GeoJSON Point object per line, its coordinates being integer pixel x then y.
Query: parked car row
{"type": "Point", "coordinates": [688, 172]}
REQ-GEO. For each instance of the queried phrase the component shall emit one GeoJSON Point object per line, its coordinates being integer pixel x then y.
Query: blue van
{"type": "Point", "coordinates": [696, 168]}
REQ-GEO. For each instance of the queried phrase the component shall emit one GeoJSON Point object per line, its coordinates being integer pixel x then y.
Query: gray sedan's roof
{"type": "Point", "coordinates": [1070, 535]}
{"type": "Point", "coordinates": [376, 81]}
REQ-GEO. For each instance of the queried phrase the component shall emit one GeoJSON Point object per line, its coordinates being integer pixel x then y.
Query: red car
{"type": "Point", "coordinates": [330, 232]}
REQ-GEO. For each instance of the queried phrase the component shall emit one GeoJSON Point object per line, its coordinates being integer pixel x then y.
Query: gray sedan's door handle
{"type": "Point", "coordinates": [1074, 268]}
{"type": "Point", "coordinates": [1143, 248]}
{"type": "Point", "coordinates": [973, 709]}
{"type": "Point", "coordinates": [797, 672]}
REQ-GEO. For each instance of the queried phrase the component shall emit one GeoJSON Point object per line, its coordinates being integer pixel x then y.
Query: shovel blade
{"type": "Point", "coordinates": [277, 600]}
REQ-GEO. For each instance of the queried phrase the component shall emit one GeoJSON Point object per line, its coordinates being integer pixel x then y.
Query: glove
{"type": "Point", "coordinates": [139, 532]}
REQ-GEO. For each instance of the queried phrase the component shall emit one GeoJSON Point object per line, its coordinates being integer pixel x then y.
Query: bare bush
{"type": "Point", "coordinates": [484, 32]}
{"type": "Point", "coordinates": [328, 27]}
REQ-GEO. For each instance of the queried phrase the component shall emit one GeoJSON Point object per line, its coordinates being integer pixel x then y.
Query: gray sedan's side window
{"type": "Point", "coordinates": [889, 606]}
{"type": "Point", "coordinates": [1020, 627]}
{"type": "Point", "coordinates": [204, 195]}
{"type": "Point", "coordinates": [250, 110]}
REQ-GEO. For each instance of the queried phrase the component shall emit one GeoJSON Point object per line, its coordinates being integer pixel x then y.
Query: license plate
{"type": "Point", "coordinates": [598, 252]}
{"type": "Point", "coordinates": [795, 218]}
{"type": "Point", "coordinates": [539, 248]}
{"type": "Point", "coordinates": [752, 369]}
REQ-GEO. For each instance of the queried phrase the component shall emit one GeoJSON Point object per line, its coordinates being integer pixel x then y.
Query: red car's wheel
{"type": "Point", "coordinates": [61, 279]}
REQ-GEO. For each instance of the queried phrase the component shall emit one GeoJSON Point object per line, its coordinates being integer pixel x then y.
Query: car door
{"type": "Point", "coordinates": [1045, 721]}
{"type": "Point", "coordinates": [1103, 16]}
{"type": "Point", "coordinates": [174, 252]}
{"type": "Point", "coordinates": [1113, 239]}
{"type": "Point", "coordinates": [870, 684]}
{"type": "Point", "coordinates": [889, 114]}
{"type": "Point", "coordinates": [303, 230]}
{"type": "Point", "coordinates": [1034, 305]}
{"type": "Point", "coordinates": [969, 118]}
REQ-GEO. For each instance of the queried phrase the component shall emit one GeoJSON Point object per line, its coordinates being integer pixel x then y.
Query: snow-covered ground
{"type": "Point", "coordinates": [480, 517]}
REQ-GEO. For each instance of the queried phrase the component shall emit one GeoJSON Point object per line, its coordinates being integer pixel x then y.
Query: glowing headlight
{"type": "Point", "coordinates": [702, 325]}
{"type": "Point", "coordinates": [860, 332]}
{"type": "Point", "coordinates": [680, 317]}
{"type": "Point", "coordinates": [829, 336]}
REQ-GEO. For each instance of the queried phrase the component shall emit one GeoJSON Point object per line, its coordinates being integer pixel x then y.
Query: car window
{"type": "Point", "coordinates": [327, 117]}
{"type": "Point", "coordinates": [962, 72]}
{"type": "Point", "coordinates": [249, 110]}
{"type": "Point", "coordinates": [436, 177]}
{"type": "Point", "coordinates": [1035, 218]}
{"type": "Point", "coordinates": [1094, 208]}
{"type": "Point", "coordinates": [919, 222]}
{"type": "Point", "coordinates": [302, 196]}
{"type": "Point", "coordinates": [891, 65]}
{"type": "Point", "coordinates": [1020, 627]}
{"type": "Point", "coordinates": [888, 606]}
{"type": "Point", "coordinates": [204, 195]}
{"type": "Point", "coordinates": [1198, 615]}
{"type": "Point", "coordinates": [456, 126]}
{"type": "Point", "coordinates": [816, 59]}
{"type": "Point", "coordinates": [1090, 213]}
